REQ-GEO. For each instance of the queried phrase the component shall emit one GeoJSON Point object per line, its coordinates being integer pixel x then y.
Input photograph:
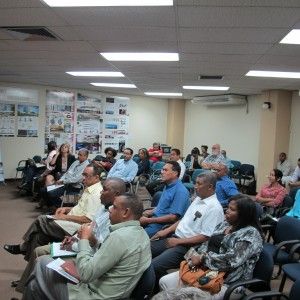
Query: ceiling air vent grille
{"type": "Point", "coordinates": [210, 77]}
{"type": "Point", "coordinates": [29, 33]}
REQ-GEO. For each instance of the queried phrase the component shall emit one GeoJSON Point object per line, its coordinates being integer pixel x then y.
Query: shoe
{"type": "Point", "coordinates": [14, 283]}
{"type": "Point", "coordinates": [22, 186]}
{"type": "Point", "coordinates": [13, 249]}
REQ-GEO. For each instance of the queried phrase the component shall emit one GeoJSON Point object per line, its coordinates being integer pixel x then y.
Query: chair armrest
{"type": "Point", "coordinates": [266, 295]}
{"type": "Point", "coordinates": [281, 245]}
{"type": "Point", "coordinates": [244, 283]}
{"type": "Point", "coordinates": [292, 251]}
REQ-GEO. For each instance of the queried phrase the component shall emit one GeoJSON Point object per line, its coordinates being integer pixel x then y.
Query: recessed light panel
{"type": "Point", "coordinates": [114, 85]}
{"type": "Point", "coordinates": [293, 37]}
{"type": "Point", "coordinates": [274, 74]}
{"type": "Point", "coordinates": [205, 88]}
{"type": "Point", "coordinates": [96, 74]}
{"type": "Point", "coordinates": [144, 56]}
{"type": "Point", "coordinates": [163, 94]}
{"type": "Point", "coordinates": [80, 3]}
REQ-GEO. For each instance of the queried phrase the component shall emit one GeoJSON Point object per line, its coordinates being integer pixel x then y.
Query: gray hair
{"type": "Point", "coordinates": [209, 177]}
{"type": "Point", "coordinates": [84, 151]}
{"type": "Point", "coordinates": [117, 184]}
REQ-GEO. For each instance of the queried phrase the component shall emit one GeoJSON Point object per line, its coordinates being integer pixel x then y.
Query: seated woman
{"type": "Point", "coordinates": [155, 152]}
{"type": "Point", "coordinates": [61, 162]}
{"type": "Point", "coordinates": [108, 161]}
{"type": "Point", "coordinates": [32, 171]}
{"type": "Point", "coordinates": [234, 248]}
{"type": "Point", "coordinates": [195, 160]}
{"type": "Point", "coordinates": [271, 195]}
{"type": "Point", "coordinates": [143, 164]}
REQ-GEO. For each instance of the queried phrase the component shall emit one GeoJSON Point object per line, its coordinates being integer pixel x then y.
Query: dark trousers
{"type": "Point", "coordinates": [41, 232]}
{"type": "Point", "coordinates": [164, 258]}
{"type": "Point", "coordinates": [155, 186]}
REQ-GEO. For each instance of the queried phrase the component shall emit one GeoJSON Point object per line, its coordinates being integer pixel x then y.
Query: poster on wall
{"type": "Point", "coordinates": [60, 117]}
{"type": "Point", "coordinates": [89, 123]}
{"type": "Point", "coordinates": [27, 120]}
{"type": "Point", "coordinates": [116, 123]}
{"type": "Point", "coordinates": [18, 95]}
{"type": "Point", "coordinates": [7, 119]}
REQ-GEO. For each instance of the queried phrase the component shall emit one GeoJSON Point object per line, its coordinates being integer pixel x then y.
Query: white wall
{"type": "Point", "coordinates": [148, 123]}
{"type": "Point", "coordinates": [231, 126]}
{"type": "Point", "coordinates": [294, 147]}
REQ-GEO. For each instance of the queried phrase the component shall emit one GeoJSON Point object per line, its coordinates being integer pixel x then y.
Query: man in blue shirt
{"type": "Point", "coordinates": [225, 187]}
{"type": "Point", "coordinates": [125, 168]}
{"type": "Point", "coordinates": [172, 204]}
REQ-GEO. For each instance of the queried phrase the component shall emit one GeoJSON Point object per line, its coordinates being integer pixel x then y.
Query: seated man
{"type": "Point", "coordinates": [284, 165]}
{"type": "Point", "coordinates": [126, 168]}
{"type": "Point", "coordinates": [112, 187]}
{"type": "Point", "coordinates": [110, 273]}
{"type": "Point", "coordinates": [225, 187]}
{"type": "Point", "coordinates": [66, 220]}
{"type": "Point", "coordinates": [213, 159]}
{"type": "Point", "coordinates": [71, 180]}
{"type": "Point", "coordinates": [294, 179]}
{"type": "Point", "coordinates": [196, 226]}
{"type": "Point", "coordinates": [172, 204]}
{"type": "Point", "coordinates": [158, 185]}
{"type": "Point", "coordinates": [155, 152]}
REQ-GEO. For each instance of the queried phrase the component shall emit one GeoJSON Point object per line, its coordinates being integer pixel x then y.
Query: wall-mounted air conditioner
{"type": "Point", "coordinates": [214, 100]}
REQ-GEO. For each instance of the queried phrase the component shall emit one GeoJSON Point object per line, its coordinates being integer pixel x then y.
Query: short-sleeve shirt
{"type": "Point", "coordinates": [87, 206]}
{"type": "Point", "coordinates": [201, 217]}
{"type": "Point", "coordinates": [174, 200]}
{"type": "Point", "coordinates": [225, 188]}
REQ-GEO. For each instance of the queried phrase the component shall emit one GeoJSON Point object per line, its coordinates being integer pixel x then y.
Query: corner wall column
{"type": "Point", "coordinates": [274, 132]}
{"type": "Point", "coordinates": [175, 123]}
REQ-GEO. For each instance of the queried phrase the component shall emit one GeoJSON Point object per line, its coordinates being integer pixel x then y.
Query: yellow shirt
{"type": "Point", "coordinates": [87, 206]}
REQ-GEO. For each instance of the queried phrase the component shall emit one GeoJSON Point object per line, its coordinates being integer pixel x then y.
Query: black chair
{"type": "Point", "coordinates": [235, 169]}
{"type": "Point", "coordinates": [294, 294]}
{"type": "Point", "coordinates": [145, 286]}
{"type": "Point", "coordinates": [262, 275]}
{"type": "Point", "coordinates": [245, 176]}
{"type": "Point", "coordinates": [21, 168]}
{"type": "Point", "coordinates": [291, 271]}
{"type": "Point", "coordinates": [287, 234]}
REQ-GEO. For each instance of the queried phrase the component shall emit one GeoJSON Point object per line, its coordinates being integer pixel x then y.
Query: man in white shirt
{"type": "Point", "coordinates": [175, 156]}
{"type": "Point", "coordinates": [284, 165]}
{"type": "Point", "coordinates": [196, 226]}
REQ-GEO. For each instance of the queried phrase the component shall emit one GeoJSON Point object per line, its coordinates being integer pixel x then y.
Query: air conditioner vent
{"type": "Point", "coordinates": [29, 33]}
{"type": "Point", "coordinates": [210, 77]}
{"type": "Point", "coordinates": [214, 100]}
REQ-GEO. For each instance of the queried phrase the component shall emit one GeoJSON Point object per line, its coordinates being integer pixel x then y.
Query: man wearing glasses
{"type": "Point", "coordinates": [66, 220]}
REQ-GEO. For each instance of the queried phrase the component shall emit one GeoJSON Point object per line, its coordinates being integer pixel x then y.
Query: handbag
{"type": "Point", "coordinates": [201, 278]}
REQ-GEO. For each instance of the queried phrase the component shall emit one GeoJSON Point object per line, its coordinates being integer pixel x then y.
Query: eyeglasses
{"type": "Point", "coordinates": [88, 175]}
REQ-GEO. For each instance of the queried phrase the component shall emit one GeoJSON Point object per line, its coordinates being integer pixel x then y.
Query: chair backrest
{"type": "Point", "coordinates": [263, 270]}
{"type": "Point", "coordinates": [145, 285]}
{"type": "Point", "coordinates": [246, 170]}
{"type": "Point", "coordinates": [295, 291]}
{"type": "Point", "coordinates": [136, 158]}
{"type": "Point", "coordinates": [157, 166]}
{"type": "Point", "coordinates": [288, 228]}
{"type": "Point", "coordinates": [235, 165]}
{"type": "Point", "coordinates": [197, 172]}
{"type": "Point", "coordinates": [37, 158]}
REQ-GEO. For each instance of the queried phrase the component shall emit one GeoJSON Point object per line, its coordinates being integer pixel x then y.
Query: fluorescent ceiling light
{"type": "Point", "coordinates": [78, 3]}
{"type": "Point", "coordinates": [116, 85]}
{"type": "Point", "coordinates": [127, 56]}
{"type": "Point", "coordinates": [293, 37]}
{"type": "Point", "coordinates": [274, 74]}
{"type": "Point", "coordinates": [97, 74]}
{"type": "Point", "coordinates": [163, 94]}
{"type": "Point", "coordinates": [206, 88]}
